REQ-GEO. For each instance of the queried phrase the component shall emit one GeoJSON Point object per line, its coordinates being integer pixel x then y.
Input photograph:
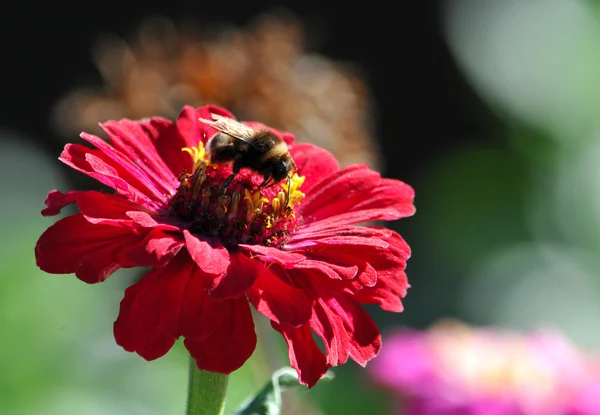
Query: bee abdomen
{"type": "Point", "coordinates": [221, 148]}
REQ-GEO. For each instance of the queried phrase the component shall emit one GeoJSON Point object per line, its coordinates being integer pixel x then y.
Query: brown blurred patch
{"type": "Point", "coordinates": [259, 72]}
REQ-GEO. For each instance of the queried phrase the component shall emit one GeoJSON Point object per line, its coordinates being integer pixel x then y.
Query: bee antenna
{"type": "Point", "coordinates": [289, 186]}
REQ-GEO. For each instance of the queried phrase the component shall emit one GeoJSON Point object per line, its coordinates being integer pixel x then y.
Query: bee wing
{"type": "Point", "coordinates": [231, 127]}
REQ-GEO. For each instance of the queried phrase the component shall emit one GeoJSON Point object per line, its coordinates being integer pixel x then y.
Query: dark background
{"type": "Point", "coordinates": [424, 106]}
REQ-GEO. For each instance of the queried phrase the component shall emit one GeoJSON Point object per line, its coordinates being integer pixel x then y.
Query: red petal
{"type": "Point", "coordinates": [132, 172]}
{"type": "Point", "coordinates": [304, 354]}
{"type": "Point", "coordinates": [136, 140]}
{"type": "Point", "coordinates": [274, 255]}
{"type": "Point", "coordinates": [316, 231]}
{"type": "Point", "coordinates": [149, 317]}
{"type": "Point", "coordinates": [313, 163]}
{"type": "Point", "coordinates": [392, 283]}
{"type": "Point", "coordinates": [366, 276]}
{"type": "Point", "coordinates": [289, 138]}
{"type": "Point", "coordinates": [98, 166]}
{"type": "Point", "coordinates": [147, 221]}
{"type": "Point", "coordinates": [328, 269]}
{"type": "Point", "coordinates": [364, 336]}
{"type": "Point", "coordinates": [210, 256]}
{"type": "Point", "coordinates": [188, 131]}
{"type": "Point", "coordinates": [194, 131]}
{"type": "Point", "coordinates": [330, 327]}
{"type": "Point", "coordinates": [169, 144]}
{"type": "Point", "coordinates": [231, 344]}
{"type": "Point", "coordinates": [200, 315]}
{"type": "Point", "coordinates": [56, 200]}
{"type": "Point", "coordinates": [90, 251]}
{"type": "Point", "coordinates": [279, 301]}
{"type": "Point", "coordinates": [357, 194]}
{"type": "Point", "coordinates": [239, 277]}
{"type": "Point", "coordinates": [156, 249]}
{"type": "Point", "coordinates": [380, 279]}
{"type": "Point", "coordinates": [107, 209]}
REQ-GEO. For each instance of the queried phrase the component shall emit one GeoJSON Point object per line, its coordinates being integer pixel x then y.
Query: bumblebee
{"type": "Point", "coordinates": [260, 150]}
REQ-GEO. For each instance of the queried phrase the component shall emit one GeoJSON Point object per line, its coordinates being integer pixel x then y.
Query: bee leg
{"type": "Point", "coordinates": [223, 187]}
{"type": "Point", "coordinates": [267, 180]}
{"type": "Point", "coordinates": [236, 169]}
{"type": "Point", "coordinates": [289, 186]}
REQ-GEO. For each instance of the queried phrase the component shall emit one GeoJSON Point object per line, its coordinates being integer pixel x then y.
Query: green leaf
{"type": "Point", "coordinates": [268, 400]}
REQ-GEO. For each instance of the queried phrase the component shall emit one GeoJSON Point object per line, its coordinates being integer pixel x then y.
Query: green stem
{"type": "Point", "coordinates": [206, 392]}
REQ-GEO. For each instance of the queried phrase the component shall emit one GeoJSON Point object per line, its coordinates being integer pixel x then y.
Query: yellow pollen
{"type": "Point", "coordinates": [198, 154]}
{"type": "Point", "coordinates": [268, 221]}
{"type": "Point", "coordinates": [294, 184]}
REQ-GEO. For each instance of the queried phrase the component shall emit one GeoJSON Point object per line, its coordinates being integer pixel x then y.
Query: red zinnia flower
{"type": "Point", "coordinates": [306, 267]}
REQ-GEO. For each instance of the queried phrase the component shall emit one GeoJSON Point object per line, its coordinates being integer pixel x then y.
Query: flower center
{"type": "Point", "coordinates": [240, 212]}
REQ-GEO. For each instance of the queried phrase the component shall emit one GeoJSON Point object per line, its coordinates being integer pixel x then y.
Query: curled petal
{"type": "Point", "coordinates": [365, 339]}
{"type": "Point", "coordinates": [274, 255]}
{"type": "Point", "coordinates": [366, 276]}
{"type": "Point", "coordinates": [313, 163]}
{"type": "Point", "coordinates": [231, 344]}
{"type": "Point", "coordinates": [146, 220]}
{"type": "Point", "coordinates": [328, 269]}
{"type": "Point", "coordinates": [90, 251]}
{"type": "Point", "coordinates": [304, 354]}
{"type": "Point", "coordinates": [57, 200]}
{"type": "Point", "coordinates": [392, 284]}
{"type": "Point", "coordinates": [279, 301]}
{"type": "Point", "coordinates": [210, 256]}
{"type": "Point", "coordinates": [330, 327]}
{"type": "Point", "coordinates": [346, 329]}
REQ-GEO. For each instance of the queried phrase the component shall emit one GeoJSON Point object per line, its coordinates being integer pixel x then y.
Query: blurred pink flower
{"type": "Point", "coordinates": [453, 369]}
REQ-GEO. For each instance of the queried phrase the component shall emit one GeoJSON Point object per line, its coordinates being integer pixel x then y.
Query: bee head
{"type": "Point", "coordinates": [282, 168]}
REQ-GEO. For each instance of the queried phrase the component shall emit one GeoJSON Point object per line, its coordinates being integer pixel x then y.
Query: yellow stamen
{"type": "Point", "coordinates": [206, 193]}
{"type": "Point", "coordinates": [295, 195]}
{"type": "Point", "coordinates": [282, 197]}
{"type": "Point", "coordinates": [197, 180]}
{"type": "Point", "coordinates": [276, 205]}
{"type": "Point", "coordinates": [235, 204]}
{"type": "Point", "coordinates": [255, 203]}
{"type": "Point", "coordinates": [198, 154]}
{"type": "Point", "coordinates": [223, 206]}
